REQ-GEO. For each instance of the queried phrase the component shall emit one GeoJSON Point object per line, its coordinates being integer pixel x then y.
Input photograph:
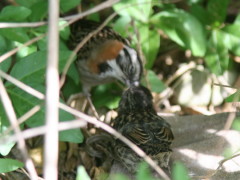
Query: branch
{"type": "Point", "coordinates": [52, 96]}
{"type": "Point", "coordinates": [20, 140]}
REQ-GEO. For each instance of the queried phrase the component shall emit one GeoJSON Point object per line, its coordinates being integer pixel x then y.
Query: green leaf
{"type": "Point", "coordinates": [7, 165]}
{"type": "Point", "coordinates": [25, 51]}
{"type": "Point", "coordinates": [232, 38]}
{"type": "Point", "coordinates": [32, 68]}
{"type": "Point", "coordinates": [217, 10]}
{"type": "Point", "coordinates": [237, 20]}
{"type": "Point", "coordinates": [5, 148]}
{"type": "Point", "coordinates": [144, 172]}
{"type": "Point", "coordinates": [137, 9]}
{"type": "Point", "coordinates": [106, 95]}
{"type": "Point", "coordinates": [26, 3]}
{"type": "Point", "coordinates": [217, 57]}
{"type": "Point", "coordinates": [23, 102]}
{"type": "Point", "coordinates": [68, 5]}
{"type": "Point", "coordinates": [155, 83]}
{"type": "Point", "coordinates": [236, 124]}
{"type": "Point", "coordinates": [200, 13]}
{"type": "Point", "coordinates": [180, 172]}
{"type": "Point", "coordinates": [183, 28]}
{"type": "Point", "coordinates": [15, 34]}
{"type": "Point", "coordinates": [64, 32]}
{"type": "Point", "coordinates": [121, 25]}
{"type": "Point", "coordinates": [14, 13]}
{"type": "Point", "coordinates": [5, 65]}
{"type": "Point", "coordinates": [39, 10]}
{"type": "Point", "coordinates": [71, 135]}
{"type": "Point", "coordinates": [235, 97]}
{"type": "Point", "coordinates": [82, 174]}
{"type": "Point", "coordinates": [150, 42]}
{"type": "Point", "coordinates": [94, 16]}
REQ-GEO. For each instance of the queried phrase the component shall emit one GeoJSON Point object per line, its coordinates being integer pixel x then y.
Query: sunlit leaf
{"type": "Point", "coordinates": [82, 174]}
{"type": "Point", "coordinates": [7, 165]}
{"type": "Point", "coordinates": [183, 28]}
{"type": "Point", "coordinates": [137, 9]}
{"type": "Point", "coordinates": [144, 172]}
{"type": "Point", "coordinates": [180, 172]}
{"type": "Point", "coordinates": [155, 83]}
{"type": "Point", "coordinates": [235, 97]}
{"type": "Point", "coordinates": [121, 25]}
{"type": "Point", "coordinates": [150, 42]}
{"type": "Point", "coordinates": [217, 57]}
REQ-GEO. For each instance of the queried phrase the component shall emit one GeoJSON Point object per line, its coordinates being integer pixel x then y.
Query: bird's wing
{"type": "Point", "coordinates": [153, 137]}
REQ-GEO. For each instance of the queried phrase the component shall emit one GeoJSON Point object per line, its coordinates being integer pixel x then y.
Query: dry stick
{"type": "Point", "coordinates": [37, 131]}
{"type": "Point", "coordinates": [51, 146]}
{"type": "Point", "coordinates": [17, 25]}
{"type": "Point", "coordinates": [91, 120]}
{"type": "Point", "coordinates": [218, 168]}
{"type": "Point", "coordinates": [23, 118]}
{"type": "Point", "coordinates": [20, 140]}
{"type": "Point", "coordinates": [14, 51]}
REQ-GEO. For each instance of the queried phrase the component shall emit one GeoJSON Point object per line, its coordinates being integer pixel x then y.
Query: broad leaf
{"type": "Point", "coordinates": [5, 148]}
{"type": "Point", "coordinates": [232, 38]}
{"type": "Point", "coordinates": [180, 172]}
{"type": "Point", "coordinates": [217, 10]}
{"type": "Point", "coordinates": [106, 95]}
{"type": "Point", "coordinates": [217, 57]}
{"type": "Point", "coordinates": [15, 34]}
{"type": "Point", "coordinates": [82, 174]}
{"type": "Point", "coordinates": [14, 13]}
{"type": "Point", "coordinates": [68, 5]}
{"type": "Point", "coordinates": [155, 83]}
{"type": "Point", "coordinates": [7, 165]}
{"type": "Point", "coordinates": [150, 42]}
{"type": "Point", "coordinates": [235, 97]}
{"type": "Point", "coordinates": [39, 10]}
{"type": "Point", "coordinates": [137, 9]}
{"type": "Point", "coordinates": [183, 28]}
{"type": "Point", "coordinates": [121, 25]}
{"type": "Point", "coordinates": [32, 68]}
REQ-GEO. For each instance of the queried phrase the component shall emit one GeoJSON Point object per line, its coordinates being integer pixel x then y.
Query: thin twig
{"type": "Point", "coordinates": [218, 168]}
{"type": "Point", "coordinates": [25, 24]}
{"type": "Point", "coordinates": [20, 140]}
{"type": "Point", "coordinates": [51, 146]}
{"type": "Point", "coordinates": [37, 131]}
{"type": "Point", "coordinates": [23, 118]}
{"type": "Point", "coordinates": [222, 85]}
{"type": "Point", "coordinates": [97, 123]}
{"type": "Point", "coordinates": [14, 51]}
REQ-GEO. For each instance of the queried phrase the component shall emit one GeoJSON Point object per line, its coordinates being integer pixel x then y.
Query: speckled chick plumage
{"type": "Point", "coordinates": [138, 121]}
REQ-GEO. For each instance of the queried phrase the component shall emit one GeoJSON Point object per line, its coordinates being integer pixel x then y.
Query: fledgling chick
{"type": "Point", "coordinates": [105, 57]}
{"type": "Point", "coordinates": [138, 121]}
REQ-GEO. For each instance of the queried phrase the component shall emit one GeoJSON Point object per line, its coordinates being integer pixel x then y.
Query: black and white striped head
{"type": "Point", "coordinates": [127, 67]}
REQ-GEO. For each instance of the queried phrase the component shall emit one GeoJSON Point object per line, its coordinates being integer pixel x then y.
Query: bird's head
{"type": "Point", "coordinates": [136, 98]}
{"type": "Point", "coordinates": [131, 66]}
